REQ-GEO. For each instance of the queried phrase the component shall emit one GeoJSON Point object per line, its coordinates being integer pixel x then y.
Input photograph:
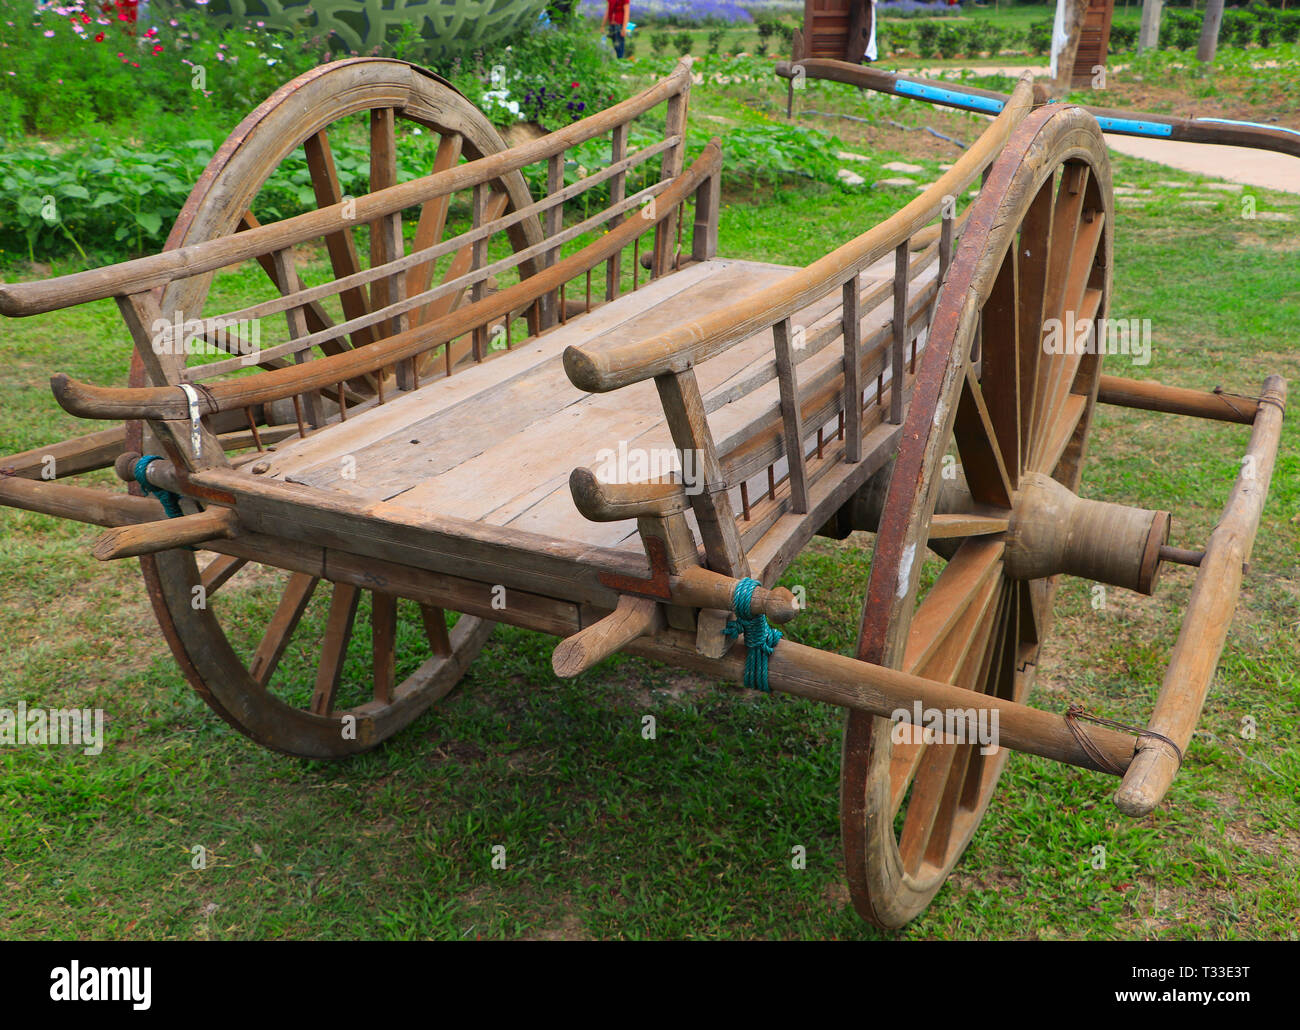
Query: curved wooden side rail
{"type": "Point", "coordinates": [600, 368]}
{"type": "Point", "coordinates": [170, 402]}
{"type": "Point", "coordinates": [1209, 615]}
{"type": "Point", "coordinates": [1123, 123]}
{"type": "Point", "coordinates": [155, 271]}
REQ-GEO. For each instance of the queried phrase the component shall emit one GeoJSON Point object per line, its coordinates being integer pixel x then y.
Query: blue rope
{"type": "Point", "coordinates": [760, 638]}
{"type": "Point", "coordinates": [170, 502]}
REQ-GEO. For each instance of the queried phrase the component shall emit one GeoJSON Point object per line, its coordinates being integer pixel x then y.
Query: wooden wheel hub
{"type": "Point", "coordinates": [1053, 530]}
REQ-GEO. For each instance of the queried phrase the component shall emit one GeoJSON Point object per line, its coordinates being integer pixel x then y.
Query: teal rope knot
{"type": "Point", "coordinates": [170, 502]}
{"type": "Point", "coordinates": [760, 638]}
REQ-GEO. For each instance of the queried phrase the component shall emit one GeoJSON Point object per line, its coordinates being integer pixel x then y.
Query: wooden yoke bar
{"type": "Point", "coordinates": [1209, 614]}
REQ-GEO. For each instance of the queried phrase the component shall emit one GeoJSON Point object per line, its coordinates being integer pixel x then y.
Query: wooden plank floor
{"type": "Point", "coordinates": [496, 442]}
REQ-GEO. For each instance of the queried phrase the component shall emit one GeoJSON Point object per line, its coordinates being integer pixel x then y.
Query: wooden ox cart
{"type": "Point", "coordinates": [437, 438]}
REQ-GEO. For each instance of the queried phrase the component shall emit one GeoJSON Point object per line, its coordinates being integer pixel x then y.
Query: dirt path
{"type": "Point", "coordinates": [1260, 168]}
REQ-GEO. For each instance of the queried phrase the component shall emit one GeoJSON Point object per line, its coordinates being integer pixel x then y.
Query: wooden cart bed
{"type": "Point", "coordinates": [497, 443]}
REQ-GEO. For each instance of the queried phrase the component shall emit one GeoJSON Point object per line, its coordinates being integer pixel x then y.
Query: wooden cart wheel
{"type": "Point", "coordinates": [287, 673]}
{"type": "Point", "coordinates": [990, 396]}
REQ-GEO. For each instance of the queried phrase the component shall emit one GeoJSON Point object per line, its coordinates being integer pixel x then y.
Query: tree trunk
{"type": "Point", "coordinates": [1075, 11]}
{"type": "Point", "coordinates": [1209, 43]}
{"type": "Point", "coordinates": [1149, 34]}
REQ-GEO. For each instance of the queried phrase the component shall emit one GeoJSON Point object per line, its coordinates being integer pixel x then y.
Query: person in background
{"type": "Point", "coordinates": [616, 17]}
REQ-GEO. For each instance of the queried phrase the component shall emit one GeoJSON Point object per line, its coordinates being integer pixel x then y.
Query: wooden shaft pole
{"type": "Point", "coordinates": [1176, 400]}
{"type": "Point", "coordinates": [1209, 614]}
{"type": "Point", "coordinates": [98, 507]}
{"type": "Point", "coordinates": [807, 672]}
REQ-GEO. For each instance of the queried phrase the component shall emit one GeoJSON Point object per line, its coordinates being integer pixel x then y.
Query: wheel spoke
{"type": "Point", "coordinates": [1080, 305]}
{"type": "Point", "coordinates": [1000, 370]}
{"type": "Point", "coordinates": [1085, 258]}
{"type": "Point", "coordinates": [341, 245]}
{"type": "Point", "coordinates": [945, 527]}
{"type": "Point", "coordinates": [293, 602]}
{"type": "Point", "coordinates": [334, 648]}
{"type": "Point", "coordinates": [930, 809]}
{"type": "Point", "coordinates": [939, 616]}
{"type": "Point", "coordinates": [1059, 434]}
{"type": "Point", "coordinates": [1065, 234]}
{"type": "Point", "coordinates": [218, 571]}
{"type": "Point", "coordinates": [435, 629]}
{"type": "Point", "coordinates": [386, 232]}
{"type": "Point", "coordinates": [460, 265]}
{"type": "Point", "coordinates": [998, 679]}
{"type": "Point", "coordinates": [981, 452]}
{"type": "Point", "coordinates": [941, 639]}
{"type": "Point", "coordinates": [1034, 251]}
{"type": "Point", "coordinates": [433, 221]}
{"type": "Point", "coordinates": [1069, 365]}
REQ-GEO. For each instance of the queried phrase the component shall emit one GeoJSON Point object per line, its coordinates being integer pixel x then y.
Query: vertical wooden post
{"type": "Point", "coordinates": [552, 222]}
{"type": "Point", "coordinates": [386, 237]}
{"type": "Point", "coordinates": [666, 230]}
{"type": "Point", "coordinates": [791, 416]}
{"type": "Point", "coordinates": [684, 412]}
{"type": "Point", "coordinates": [617, 191]}
{"type": "Point", "coordinates": [852, 321]}
{"type": "Point", "coordinates": [945, 245]}
{"type": "Point", "coordinates": [478, 260]}
{"type": "Point", "coordinates": [900, 334]}
{"type": "Point", "coordinates": [708, 202]}
{"type": "Point", "coordinates": [288, 275]}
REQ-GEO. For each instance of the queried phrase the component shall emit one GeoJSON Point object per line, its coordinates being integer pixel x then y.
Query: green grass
{"type": "Point", "coordinates": [608, 834]}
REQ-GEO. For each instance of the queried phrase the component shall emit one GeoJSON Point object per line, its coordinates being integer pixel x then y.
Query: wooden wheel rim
{"type": "Point", "coordinates": [295, 113]}
{"type": "Point", "coordinates": [992, 637]}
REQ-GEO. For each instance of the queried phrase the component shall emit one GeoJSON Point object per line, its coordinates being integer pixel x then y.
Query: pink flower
{"type": "Point", "coordinates": [49, 33]}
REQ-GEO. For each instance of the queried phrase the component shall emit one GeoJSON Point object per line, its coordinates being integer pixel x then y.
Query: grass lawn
{"type": "Point", "coordinates": [690, 834]}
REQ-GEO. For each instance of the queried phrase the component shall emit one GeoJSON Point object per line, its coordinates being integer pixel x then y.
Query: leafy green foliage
{"type": "Point", "coordinates": [113, 200]}
{"type": "Point", "coordinates": [552, 77]}
{"type": "Point", "coordinates": [103, 75]}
